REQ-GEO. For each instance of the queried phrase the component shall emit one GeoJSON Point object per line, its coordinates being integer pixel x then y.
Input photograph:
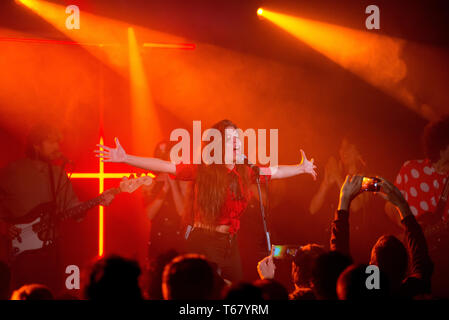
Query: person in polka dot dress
{"type": "Point", "coordinates": [422, 186]}
{"type": "Point", "coordinates": [422, 183]}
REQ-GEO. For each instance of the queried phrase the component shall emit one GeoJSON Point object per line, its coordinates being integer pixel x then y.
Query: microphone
{"type": "Point", "coordinates": [253, 167]}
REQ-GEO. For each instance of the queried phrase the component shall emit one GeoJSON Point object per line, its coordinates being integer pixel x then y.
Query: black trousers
{"type": "Point", "coordinates": [219, 248]}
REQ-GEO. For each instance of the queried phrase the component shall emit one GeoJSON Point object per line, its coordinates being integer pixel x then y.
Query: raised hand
{"type": "Point", "coordinates": [349, 190]}
{"type": "Point", "coordinates": [108, 154]}
{"type": "Point", "coordinates": [392, 193]}
{"type": "Point", "coordinates": [308, 166]}
{"type": "Point", "coordinates": [266, 268]}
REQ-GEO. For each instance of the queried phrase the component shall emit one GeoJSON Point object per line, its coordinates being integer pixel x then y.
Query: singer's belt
{"type": "Point", "coordinates": [222, 228]}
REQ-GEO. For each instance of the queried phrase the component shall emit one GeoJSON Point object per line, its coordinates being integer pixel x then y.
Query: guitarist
{"type": "Point", "coordinates": [24, 185]}
{"type": "Point", "coordinates": [422, 182]}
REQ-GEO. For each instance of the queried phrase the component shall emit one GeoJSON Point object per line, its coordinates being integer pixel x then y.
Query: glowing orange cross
{"type": "Point", "coordinates": [101, 176]}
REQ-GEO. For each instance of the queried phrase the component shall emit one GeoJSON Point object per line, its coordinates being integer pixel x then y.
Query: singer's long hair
{"type": "Point", "coordinates": [214, 180]}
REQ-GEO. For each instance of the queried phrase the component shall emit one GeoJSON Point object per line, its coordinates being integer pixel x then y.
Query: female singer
{"type": "Point", "coordinates": [220, 194]}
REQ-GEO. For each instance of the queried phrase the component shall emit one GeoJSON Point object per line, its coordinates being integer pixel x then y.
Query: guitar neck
{"type": "Point", "coordinates": [89, 204]}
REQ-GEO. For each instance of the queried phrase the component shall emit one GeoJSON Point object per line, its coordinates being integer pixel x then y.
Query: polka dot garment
{"type": "Point", "coordinates": [421, 186]}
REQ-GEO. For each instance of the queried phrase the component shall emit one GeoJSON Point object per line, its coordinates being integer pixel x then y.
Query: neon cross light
{"type": "Point", "coordinates": [101, 176]}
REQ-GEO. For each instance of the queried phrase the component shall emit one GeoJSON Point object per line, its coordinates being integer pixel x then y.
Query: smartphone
{"type": "Point", "coordinates": [370, 184]}
{"type": "Point", "coordinates": [284, 251]}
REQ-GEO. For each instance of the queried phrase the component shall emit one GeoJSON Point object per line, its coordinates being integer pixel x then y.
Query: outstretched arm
{"type": "Point", "coordinates": [306, 166]}
{"type": "Point", "coordinates": [118, 154]}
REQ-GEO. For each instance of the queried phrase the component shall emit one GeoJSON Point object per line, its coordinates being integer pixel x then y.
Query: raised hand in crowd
{"type": "Point", "coordinates": [350, 189]}
{"type": "Point", "coordinates": [395, 197]}
{"type": "Point", "coordinates": [266, 268]}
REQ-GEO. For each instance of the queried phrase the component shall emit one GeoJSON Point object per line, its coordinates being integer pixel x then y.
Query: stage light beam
{"type": "Point", "coordinates": [104, 38]}
{"type": "Point", "coordinates": [374, 58]}
{"type": "Point", "coordinates": [145, 126]}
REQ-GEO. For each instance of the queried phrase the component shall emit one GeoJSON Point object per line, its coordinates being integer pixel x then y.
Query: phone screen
{"type": "Point", "coordinates": [370, 184]}
{"type": "Point", "coordinates": [284, 251]}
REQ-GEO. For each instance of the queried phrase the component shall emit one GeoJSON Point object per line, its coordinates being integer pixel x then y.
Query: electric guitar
{"type": "Point", "coordinates": [37, 228]}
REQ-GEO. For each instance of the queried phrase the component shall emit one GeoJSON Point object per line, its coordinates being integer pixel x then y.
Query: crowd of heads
{"type": "Point", "coordinates": [317, 274]}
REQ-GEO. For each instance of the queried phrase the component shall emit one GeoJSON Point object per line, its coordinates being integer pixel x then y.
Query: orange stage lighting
{"type": "Point", "coordinates": [99, 34]}
{"type": "Point", "coordinates": [182, 46]}
{"type": "Point", "coordinates": [374, 58]}
{"type": "Point", "coordinates": [145, 124]}
{"type": "Point", "coordinates": [259, 11]}
{"type": "Point", "coordinates": [47, 41]}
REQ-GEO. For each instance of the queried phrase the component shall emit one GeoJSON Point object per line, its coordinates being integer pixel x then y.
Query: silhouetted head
{"type": "Point", "coordinates": [271, 289]}
{"type": "Point", "coordinates": [189, 276]}
{"type": "Point", "coordinates": [66, 296]}
{"type": "Point", "coordinates": [352, 284]}
{"type": "Point", "coordinates": [390, 255]}
{"type": "Point", "coordinates": [302, 264]}
{"type": "Point", "coordinates": [156, 270]}
{"type": "Point", "coordinates": [325, 272]}
{"type": "Point", "coordinates": [32, 292]}
{"type": "Point", "coordinates": [220, 284]}
{"type": "Point", "coordinates": [244, 291]}
{"type": "Point", "coordinates": [114, 278]}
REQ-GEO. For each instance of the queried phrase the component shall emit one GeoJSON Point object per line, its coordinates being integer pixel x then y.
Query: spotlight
{"type": "Point", "coordinates": [26, 3]}
{"type": "Point", "coordinates": [259, 11]}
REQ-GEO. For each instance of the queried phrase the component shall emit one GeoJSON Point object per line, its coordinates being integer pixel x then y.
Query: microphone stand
{"type": "Point", "coordinates": [262, 208]}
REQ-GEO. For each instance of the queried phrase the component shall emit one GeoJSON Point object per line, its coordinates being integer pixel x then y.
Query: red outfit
{"type": "Point", "coordinates": [421, 186]}
{"type": "Point", "coordinates": [233, 207]}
